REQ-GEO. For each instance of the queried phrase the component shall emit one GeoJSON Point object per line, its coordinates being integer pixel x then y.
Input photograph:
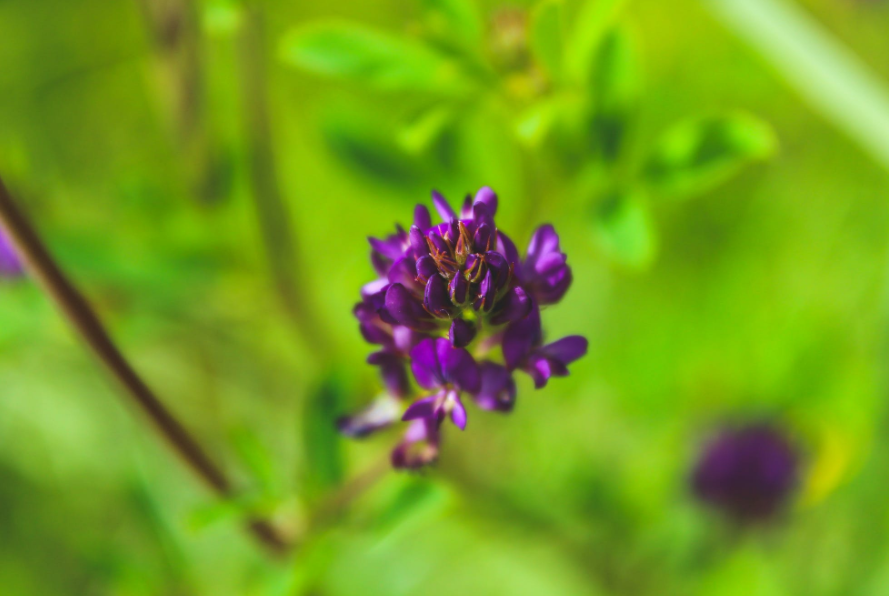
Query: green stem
{"type": "Point", "coordinates": [271, 208]}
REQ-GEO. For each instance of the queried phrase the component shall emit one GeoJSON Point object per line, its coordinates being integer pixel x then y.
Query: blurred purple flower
{"type": "Point", "coordinates": [444, 293]}
{"type": "Point", "coordinates": [10, 264]}
{"type": "Point", "coordinates": [748, 473]}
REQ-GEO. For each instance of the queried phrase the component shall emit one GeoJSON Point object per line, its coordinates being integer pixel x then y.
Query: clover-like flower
{"type": "Point", "coordinates": [10, 264]}
{"type": "Point", "coordinates": [748, 473]}
{"type": "Point", "coordinates": [446, 295]}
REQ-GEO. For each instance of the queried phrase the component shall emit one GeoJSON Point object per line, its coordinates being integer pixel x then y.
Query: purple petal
{"type": "Point", "coordinates": [466, 210]}
{"type": "Point", "coordinates": [498, 389]}
{"type": "Point", "coordinates": [461, 333]}
{"type": "Point", "coordinates": [438, 242]}
{"type": "Point", "coordinates": [482, 239]}
{"type": "Point", "coordinates": [422, 408]}
{"type": "Point", "coordinates": [488, 197]}
{"type": "Point", "coordinates": [513, 306]}
{"type": "Point", "coordinates": [378, 415]}
{"type": "Point", "coordinates": [391, 247]}
{"type": "Point", "coordinates": [458, 290]}
{"type": "Point", "coordinates": [393, 372]}
{"type": "Point", "coordinates": [507, 248]}
{"type": "Point", "coordinates": [425, 366]}
{"type": "Point", "coordinates": [552, 288]}
{"type": "Point", "coordinates": [442, 206]}
{"type": "Point", "coordinates": [375, 288]}
{"type": "Point", "coordinates": [566, 350]}
{"type": "Point", "coordinates": [520, 338]}
{"type": "Point", "coordinates": [458, 413]}
{"type": "Point", "coordinates": [421, 218]}
{"type": "Point", "coordinates": [543, 242]}
{"type": "Point", "coordinates": [437, 300]}
{"type": "Point", "coordinates": [426, 267]}
{"type": "Point", "coordinates": [482, 215]}
{"type": "Point", "coordinates": [419, 246]}
{"type": "Point", "coordinates": [486, 293]}
{"type": "Point", "coordinates": [540, 370]}
{"type": "Point", "coordinates": [419, 446]}
{"type": "Point", "coordinates": [457, 366]}
{"type": "Point", "coordinates": [499, 266]}
{"type": "Point", "coordinates": [403, 308]}
{"type": "Point", "coordinates": [404, 272]}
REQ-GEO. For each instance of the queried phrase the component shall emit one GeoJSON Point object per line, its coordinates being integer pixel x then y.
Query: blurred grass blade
{"type": "Point", "coordinates": [254, 455]}
{"type": "Point", "coordinates": [455, 18]}
{"type": "Point", "coordinates": [321, 441]}
{"type": "Point", "coordinates": [826, 73]}
{"type": "Point", "coordinates": [616, 86]}
{"type": "Point", "coordinates": [697, 155]}
{"type": "Point", "coordinates": [547, 36]}
{"type": "Point", "coordinates": [624, 230]}
{"type": "Point", "coordinates": [371, 57]}
{"type": "Point", "coordinates": [594, 18]}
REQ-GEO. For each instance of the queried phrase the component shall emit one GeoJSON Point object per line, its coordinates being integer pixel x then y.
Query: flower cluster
{"type": "Point", "coordinates": [747, 472]}
{"type": "Point", "coordinates": [447, 296]}
{"type": "Point", "coordinates": [10, 264]}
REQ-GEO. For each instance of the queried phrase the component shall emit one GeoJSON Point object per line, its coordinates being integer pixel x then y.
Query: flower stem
{"type": "Point", "coordinates": [41, 266]}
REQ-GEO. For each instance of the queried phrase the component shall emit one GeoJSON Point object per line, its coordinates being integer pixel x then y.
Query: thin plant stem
{"type": "Point", "coordinates": [43, 268]}
{"type": "Point", "coordinates": [174, 29]}
{"type": "Point", "coordinates": [271, 208]}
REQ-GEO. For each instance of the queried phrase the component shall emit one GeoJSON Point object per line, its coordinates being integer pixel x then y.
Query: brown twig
{"type": "Point", "coordinates": [43, 269]}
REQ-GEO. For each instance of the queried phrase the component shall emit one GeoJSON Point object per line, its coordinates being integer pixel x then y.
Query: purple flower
{"type": "Point", "coordinates": [522, 348]}
{"type": "Point", "coordinates": [10, 264]}
{"type": "Point", "coordinates": [748, 473]}
{"type": "Point", "coordinates": [443, 293]}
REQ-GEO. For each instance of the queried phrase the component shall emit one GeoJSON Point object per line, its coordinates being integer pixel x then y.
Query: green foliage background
{"type": "Point", "coordinates": [730, 263]}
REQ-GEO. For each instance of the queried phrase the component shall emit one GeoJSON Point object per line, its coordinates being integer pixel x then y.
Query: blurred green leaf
{"type": "Point", "coordinates": [699, 154]}
{"type": "Point", "coordinates": [534, 124]}
{"type": "Point", "coordinates": [254, 455]}
{"type": "Point", "coordinates": [455, 18]}
{"type": "Point", "coordinates": [322, 443]}
{"type": "Point", "coordinates": [414, 500]}
{"type": "Point", "coordinates": [421, 132]}
{"type": "Point", "coordinates": [547, 36]}
{"type": "Point", "coordinates": [615, 86]}
{"type": "Point", "coordinates": [616, 72]}
{"type": "Point", "coordinates": [590, 24]}
{"type": "Point", "coordinates": [380, 60]}
{"type": "Point", "coordinates": [370, 150]}
{"type": "Point", "coordinates": [624, 230]}
{"type": "Point", "coordinates": [221, 18]}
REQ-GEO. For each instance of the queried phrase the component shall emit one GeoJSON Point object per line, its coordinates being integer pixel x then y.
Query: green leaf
{"type": "Point", "coordinates": [422, 132]}
{"type": "Point", "coordinates": [371, 57]}
{"type": "Point", "coordinates": [534, 124]}
{"type": "Point", "coordinates": [591, 23]}
{"type": "Point", "coordinates": [699, 154]}
{"type": "Point", "coordinates": [450, 18]}
{"type": "Point", "coordinates": [371, 151]}
{"type": "Point", "coordinates": [615, 86]}
{"type": "Point", "coordinates": [624, 230]}
{"type": "Point", "coordinates": [322, 446]}
{"type": "Point", "coordinates": [547, 36]}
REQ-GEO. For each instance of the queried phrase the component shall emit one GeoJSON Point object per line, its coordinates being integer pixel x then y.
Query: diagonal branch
{"type": "Point", "coordinates": [71, 302]}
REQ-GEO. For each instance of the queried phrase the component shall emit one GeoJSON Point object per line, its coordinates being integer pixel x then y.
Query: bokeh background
{"type": "Point", "coordinates": [208, 171]}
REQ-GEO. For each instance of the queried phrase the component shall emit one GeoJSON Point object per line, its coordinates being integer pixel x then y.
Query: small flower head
{"type": "Point", "coordinates": [447, 295]}
{"type": "Point", "coordinates": [748, 473]}
{"type": "Point", "coordinates": [10, 264]}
